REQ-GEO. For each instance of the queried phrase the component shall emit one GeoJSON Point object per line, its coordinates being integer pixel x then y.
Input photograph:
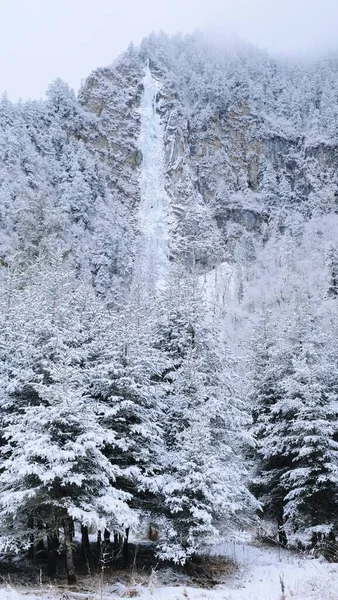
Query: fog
{"type": "Point", "coordinates": [43, 39]}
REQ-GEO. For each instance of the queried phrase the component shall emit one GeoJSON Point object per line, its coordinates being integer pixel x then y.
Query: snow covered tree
{"type": "Point", "coordinates": [54, 466]}
{"type": "Point", "coordinates": [295, 410]}
{"type": "Point", "coordinates": [332, 270]}
{"type": "Point", "coordinates": [270, 362]}
{"type": "Point", "coordinates": [124, 383]}
{"type": "Point", "coordinates": [269, 185]}
{"type": "Point", "coordinates": [311, 482]}
{"type": "Point", "coordinates": [204, 489]}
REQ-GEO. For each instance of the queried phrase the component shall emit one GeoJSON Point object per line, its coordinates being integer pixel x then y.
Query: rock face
{"type": "Point", "coordinates": [114, 94]}
{"type": "Point", "coordinates": [246, 137]}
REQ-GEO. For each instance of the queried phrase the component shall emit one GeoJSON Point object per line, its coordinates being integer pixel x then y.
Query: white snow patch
{"type": "Point", "coordinates": [264, 570]}
{"type": "Point", "coordinates": [9, 593]}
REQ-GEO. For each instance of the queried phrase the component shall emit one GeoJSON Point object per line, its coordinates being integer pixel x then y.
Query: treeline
{"type": "Point", "coordinates": [111, 419]}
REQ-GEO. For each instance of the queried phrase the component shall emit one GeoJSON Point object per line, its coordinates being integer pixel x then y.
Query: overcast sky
{"type": "Point", "coordinates": [43, 39]}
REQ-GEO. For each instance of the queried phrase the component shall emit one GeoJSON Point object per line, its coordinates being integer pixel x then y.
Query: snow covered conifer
{"type": "Point", "coordinates": [295, 410]}
{"type": "Point", "coordinates": [124, 383]}
{"type": "Point", "coordinates": [311, 482]}
{"type": "Point", "coordinates": [332, 270]}
{"type": "Point", "coordinates": [54, 468]}
{"type": "Point", "coordinates": [270, 362]}
{"type": "Point", "coordinates": [204, 488]}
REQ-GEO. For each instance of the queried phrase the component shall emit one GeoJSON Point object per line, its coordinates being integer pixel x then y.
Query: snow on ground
{"type": "Point", "coordinates": [259, 576]}
{"type": "Point", "coordinates": [264, 570]}
{"type": "Point", "coordinates": [154, 203]}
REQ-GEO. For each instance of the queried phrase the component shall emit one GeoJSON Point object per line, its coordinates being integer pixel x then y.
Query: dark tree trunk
{"type": "Point", "coordinates": [99, 548]}
{"type": "Point", "coordinates": [106, 536]}
{"type": "Point", "coordinates": [107, 554]}
{"type": "Point", "coordinates": [68, 530]}
{"type": "Point", "coordinates": [116, 546]}
{"type": "Point", "coordinates": [31, 551]}
{"type": "Point", "coordinates": [125, 550]}
{"type": "Point", "coordinates": [99, 542]}
{"type": "Point", "coordinates": [85, 545]}
{"type": "Point", "coordinates": [283, 540]}
{"type": "Point", "coordinates": [52, 546]}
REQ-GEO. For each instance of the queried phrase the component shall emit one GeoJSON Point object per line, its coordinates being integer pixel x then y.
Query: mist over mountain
{"type": "Point", "coordinates": [169, 284]}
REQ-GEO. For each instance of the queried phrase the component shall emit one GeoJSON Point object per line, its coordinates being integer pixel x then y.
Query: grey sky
{"type": "Point", "coordinates": [43, 39]}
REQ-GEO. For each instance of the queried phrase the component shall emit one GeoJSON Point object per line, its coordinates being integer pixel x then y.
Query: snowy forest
{"type": "Point", "coordinates": [169, 306]}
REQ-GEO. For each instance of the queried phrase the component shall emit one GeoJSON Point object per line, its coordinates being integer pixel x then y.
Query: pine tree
{"type": "Point", "coordinates": [54, 464]}
{"type": "Point", "coordinates": [295, 410]}
{"type": "Point", "coordinates": [124, 382]}
{"type": "Point", "coordinates": [269, 183]}
{"type": "Point", "coordinates": [332, 270]}
{"type": "Point", "coordinates": [204, 478]}
{"type": "Point", "coordinates": [311, 482]}
{"type": "Point", "coordinates": [271, 416]}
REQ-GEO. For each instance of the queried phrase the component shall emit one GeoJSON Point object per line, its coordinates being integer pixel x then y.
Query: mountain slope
{"type": "Point", "coordinates": [187, 200]}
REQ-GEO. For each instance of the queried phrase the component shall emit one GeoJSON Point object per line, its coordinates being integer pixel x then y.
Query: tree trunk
{"type": "Point", "coordinates": [126, 548]}
{"type": "Point", "coordinates": [52, 546]}
{"type": "Point", "coordinates": [107, 554]}
{"type": "Point", "coordinates": [85, 545]}
{"type": "Point", "coordinates": [281, 533]}
{"type": "Point", "coordinates": [99, 542]}
{"type": "Point", "coordinates": [116, 546]}
{"type": "Point", "coordinates": [106, 536]}
{"type": "Point", "coordinates": [68, 530]}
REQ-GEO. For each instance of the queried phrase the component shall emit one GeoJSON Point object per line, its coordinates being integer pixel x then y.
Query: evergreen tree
{"type": "Point", "coordinates": [54, 464]}
{"type": "Point", "coordinates": [271, 416]}
{"type": "Point", "coordinates": [311, 482]}
{"type": "Point", "coordinates": [124, 383]}
{"type": "Point", "coordinates": [332, 270]}
{"type": "Point", "coordinates": [204, 477]}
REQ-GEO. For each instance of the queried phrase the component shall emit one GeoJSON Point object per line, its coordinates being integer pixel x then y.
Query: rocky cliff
{"type": "Point", "coordinates": [246, 138]}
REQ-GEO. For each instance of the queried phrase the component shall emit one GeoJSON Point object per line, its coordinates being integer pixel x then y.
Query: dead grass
{"type": "Point", "coordinates": [131, 593]}
{"type": "Point", "coordinates": [208, 571]}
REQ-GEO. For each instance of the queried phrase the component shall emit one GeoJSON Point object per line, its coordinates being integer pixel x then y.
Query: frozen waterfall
{"type": "Point", "coordinates": [154, 200]}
